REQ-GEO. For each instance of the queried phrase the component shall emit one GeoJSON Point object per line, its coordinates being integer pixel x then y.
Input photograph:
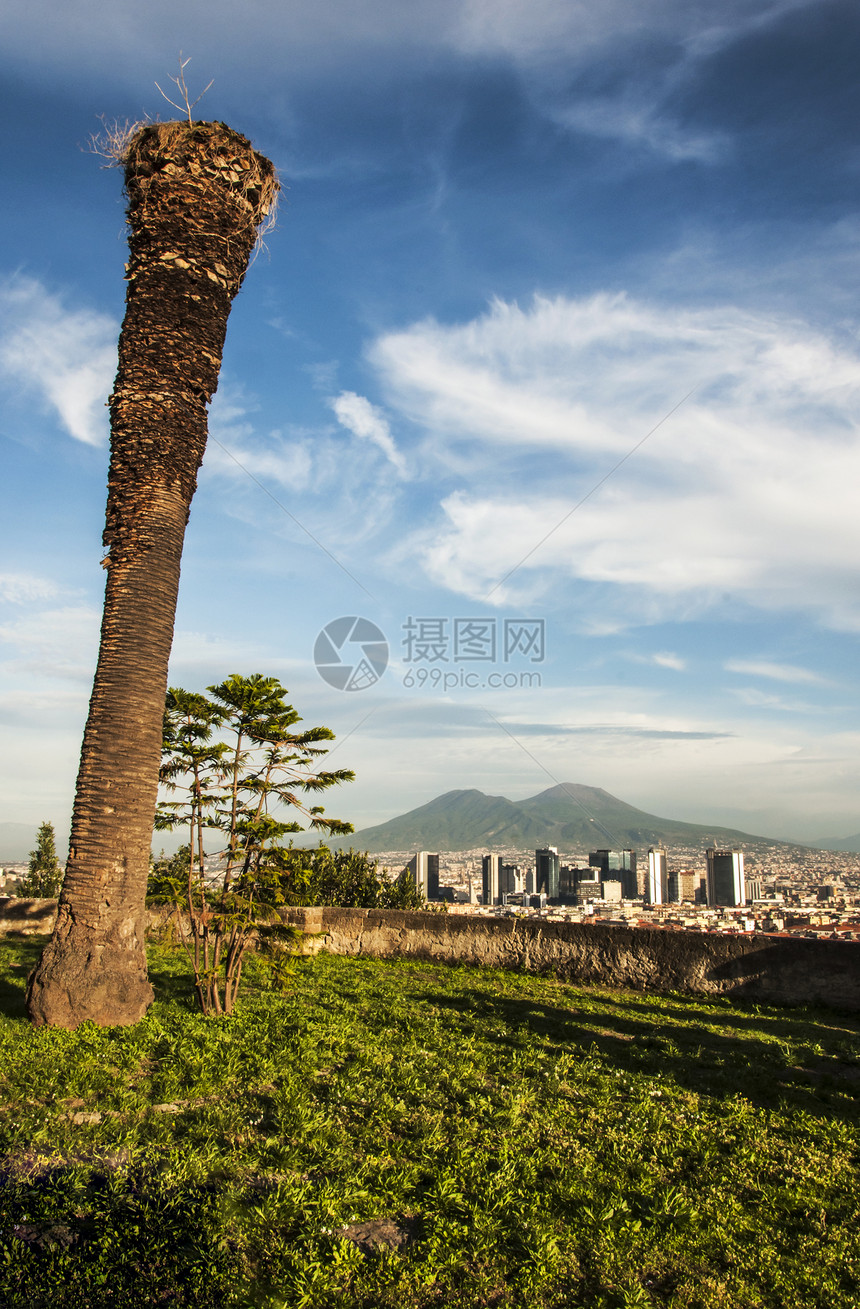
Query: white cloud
{"type": "Point", "coordinates": [286, 462]}
{"type": "Point", "coordinates": [22, 588]}
{"type": "Point", "coordinates": [237, 450]}
{"type": "Point", "coordinates": [312, 460]}
{"type": "Point", "coordinates": [65, 356]}
{"type": "Point", "coordinates": [747, 490]}
{"type": "Point", "coordinates": [551, 42]}
{"type": "Point", "coordinates": [756, 699]}
{"type": "Point", "coordinates": [364, 420]}
{"type": "Point", "coordinates": [599, 372]}
{"type": "Point", "coordinates": [778, 672]}
{"type": "Point", "coordinates": [552, 29]}
{"type": "Point", "coordinates": [217, 653]}
{"type": "Point", "coordinates": [651, 48]}
{"type": "Point", "coordinates": [60, 642]}
{"type": "Point", "coordinates": [665, 659]}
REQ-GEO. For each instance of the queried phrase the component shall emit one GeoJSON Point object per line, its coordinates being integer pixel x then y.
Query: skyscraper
{"type": "Point", "coordinates": [424, 867]}
{"type": "Point", "coordinates": [491, 878]}
{"type": "Point", "coordinates": [657, 890]}
{"type": "Point", "coordinates": [511, 880]}
{"type": "Point", "coordinates": [547, 868]}
{"type": "Point", "coordinates": [726, 877]}
{"type": "Point", "coordinates": [620, 862]}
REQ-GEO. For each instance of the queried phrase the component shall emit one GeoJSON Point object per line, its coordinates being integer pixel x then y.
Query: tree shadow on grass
{"type": "Point", "coordinates": [169, 972]}
{"type": "Point", "coordinates": [171, 976]}
{"type": "Point", "coordinates": [793, 1022]}
{"type": "Point", "coordinates": [19, 955]}
{"type": "Point", "coordinates": [691, 1053]}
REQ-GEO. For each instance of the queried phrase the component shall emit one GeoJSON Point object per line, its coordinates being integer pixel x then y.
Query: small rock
{"type": "Point", "coordinates": [44, 1235]}
{"type": "Point", "coordinates": [377, 1234]}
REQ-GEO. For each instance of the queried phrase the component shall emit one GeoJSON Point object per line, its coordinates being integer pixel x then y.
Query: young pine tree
{"type": "Point", "coordinates": [45, 877]}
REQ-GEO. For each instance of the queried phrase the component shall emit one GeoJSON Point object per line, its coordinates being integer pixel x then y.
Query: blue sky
{"type": "Point", "coordinates": [530, 259]}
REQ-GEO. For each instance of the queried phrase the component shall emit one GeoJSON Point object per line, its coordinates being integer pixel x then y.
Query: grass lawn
{"type": "Point", "coordinates": [531, 1143]}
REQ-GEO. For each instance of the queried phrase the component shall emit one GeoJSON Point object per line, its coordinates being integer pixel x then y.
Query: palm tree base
{"type": "Point", "coordinates": [86, 975]}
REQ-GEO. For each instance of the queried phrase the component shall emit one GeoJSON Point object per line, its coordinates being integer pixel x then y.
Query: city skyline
{"type": "Point", "coordinates": [553, 351]}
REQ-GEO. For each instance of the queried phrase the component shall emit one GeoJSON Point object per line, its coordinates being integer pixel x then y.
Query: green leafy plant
{"type": "Point", "coordinates": [45, 876]}
{"type": "Point", "coordinates": [236, 760]}
{"type": "Point", "coordinates": [343, 877]}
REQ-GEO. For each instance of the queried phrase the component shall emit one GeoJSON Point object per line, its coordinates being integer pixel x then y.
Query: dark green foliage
{"type": "Point", "coordinates": [343, 877]}
{"type": "Point", "coordinates": [237, 761]}
{"type": "Point", "coordinates": [45, 876]}
{"type": "Point", "coordinates": [539, 1145]}
{"type": "Point", "coordinates": [168, 874]}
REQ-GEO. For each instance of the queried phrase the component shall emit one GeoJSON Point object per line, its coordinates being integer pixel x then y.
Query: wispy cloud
{"type": "Point", "coordinates": [618, 729]}
{"type": "Point", "coordinates": [359, 416]}
{"type": "Point", "coordinates": [60, 642]}
{"type": "Point", "coordinates": [748, 487]}
{"type": "Point", "coordinates": [756, 699]}
{"type": "Point", "coordinates": [23, 588]}
{"type": "Point", "coordinates": [592, 373]}
{"type": "Point", "coordinates": [646, 50]}
{"type": "Point", "coordinates": [778, 672]}
{"type": "Point", "coordinates": [552, 41]}
{"type": "Point", "coordinates": [65, 356]}
{"type": "Point", "coordinates": [665, 659]}
{"type": "Point", "coordinates": [304, 470]}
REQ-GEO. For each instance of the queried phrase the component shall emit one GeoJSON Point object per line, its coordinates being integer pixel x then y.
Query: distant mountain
{"type": "Point", "coordinates": [848, 844]}
{"type": "Point", "coordinates": [565, 816]}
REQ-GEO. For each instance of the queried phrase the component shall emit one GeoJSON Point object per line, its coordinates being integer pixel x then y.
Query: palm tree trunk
{"type": "Point", "coordinates": [197, 194]}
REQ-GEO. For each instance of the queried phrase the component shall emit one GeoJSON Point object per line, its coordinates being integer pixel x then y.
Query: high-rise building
{"type": "Point", "coordinates": [725, 882]}
{"type": "Point", "coordinates": [496, 880]}
{"type": "Point", "coordinates": [682, 884]}
{"type": "Point", "coordinates": [568, 879]}
{"type": "Point", "coordinates": [511, 880]}
{"type": "Point", "coordinates": [620, 862]}
{"type": "Point", "coordinates": [547, 870]}
{"type": "Point", "coordinates": [657, 889]}
{"type": "Point", "coordinates": [578, 884]}
{"type": "Point", "coordinates": [424, 867]}
{"type": "Point", "coordinates": [588, 885]}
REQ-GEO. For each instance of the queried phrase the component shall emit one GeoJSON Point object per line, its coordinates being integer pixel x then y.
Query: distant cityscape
{"type": "Point", "coordinates": [763, 887]}
{"type": "Point", "coordinates": [768, 889]}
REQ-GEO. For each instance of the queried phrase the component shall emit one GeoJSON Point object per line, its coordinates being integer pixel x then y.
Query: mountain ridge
{"type": "Point", "coordinates": [566, 815]}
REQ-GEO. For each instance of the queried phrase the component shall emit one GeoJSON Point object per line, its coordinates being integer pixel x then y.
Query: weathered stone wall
{"type": "Point", "coordinates": [771, 969]}
{"type": "Point", "coordinates": [29, 916]}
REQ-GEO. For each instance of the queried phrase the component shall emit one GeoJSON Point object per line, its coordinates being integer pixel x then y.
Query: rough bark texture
{"type": "Point", "coordinates": [197, 194]}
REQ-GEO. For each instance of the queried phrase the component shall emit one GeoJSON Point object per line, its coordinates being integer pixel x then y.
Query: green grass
{"type": "Point", "coordinates": [540, 1144]}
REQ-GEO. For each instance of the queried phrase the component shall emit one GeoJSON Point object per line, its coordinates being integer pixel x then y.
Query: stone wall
{"type": "Point", "coordinates": [28, 916]}
{"type": "Point", "coordinates": [771, 969]}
